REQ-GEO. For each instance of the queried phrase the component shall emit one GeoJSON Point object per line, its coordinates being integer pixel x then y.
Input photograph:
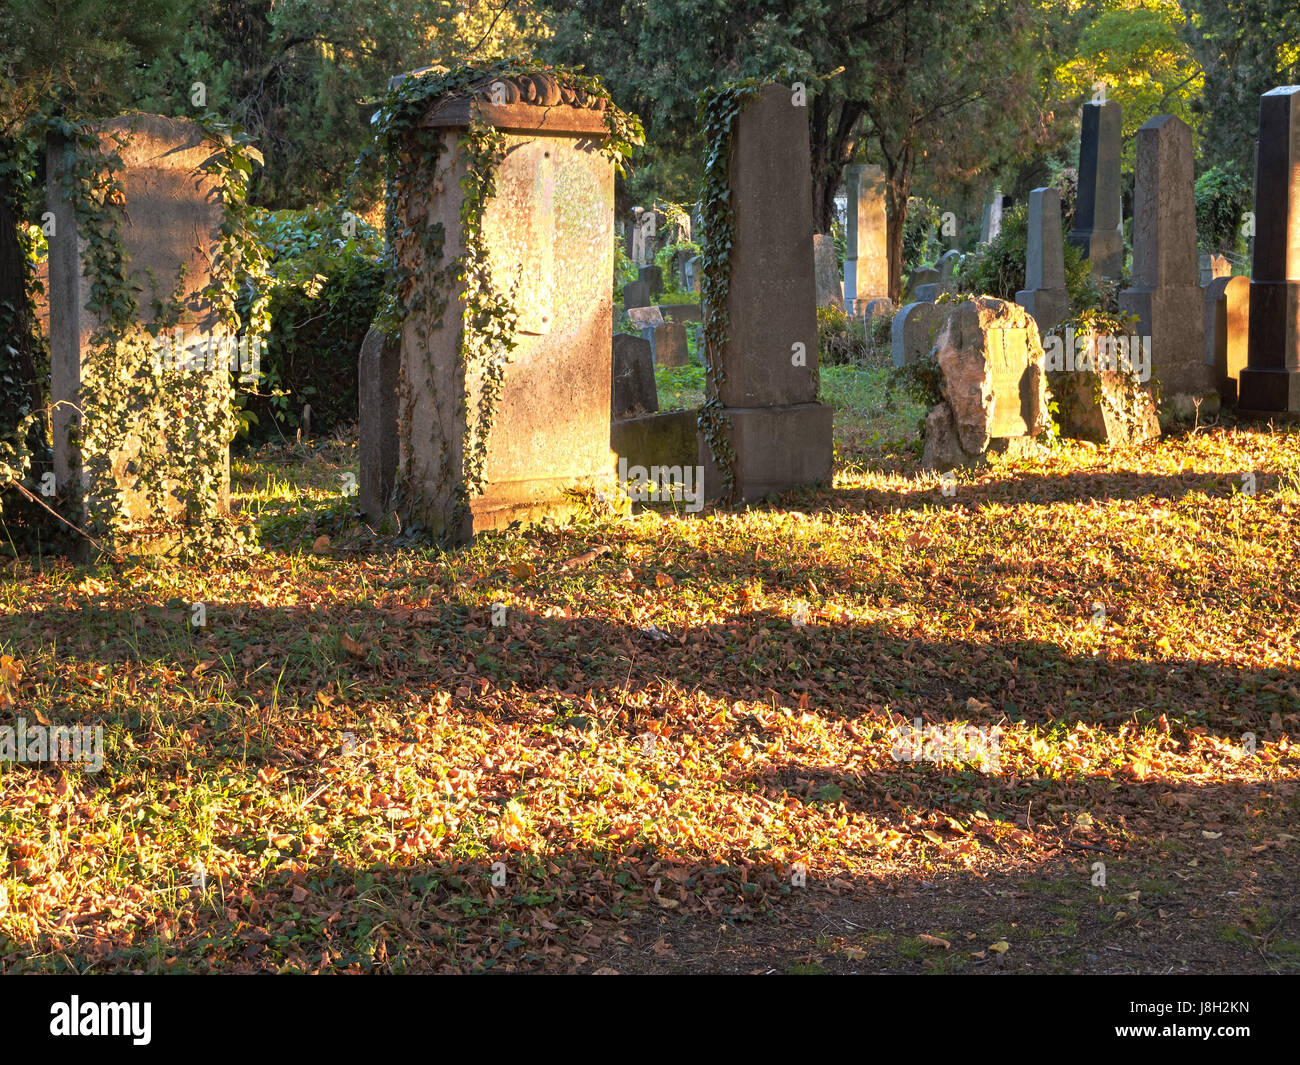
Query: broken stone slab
{"type": "Point", "coordinates": [1108, 407]}
{"type": "Point", "coordinates": [994, 377]}
{"type": "Point", "coordinates": [644, 317]}
{"type": "Point", "coordinates": [633, 387]}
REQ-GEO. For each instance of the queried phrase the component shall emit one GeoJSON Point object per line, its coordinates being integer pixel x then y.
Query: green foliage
{"type": "Point", "coordinates": [840, 339]}
{"type": "Point", "coordinates": [1222, 196]}
{"type": "Point", "coordinates": [921, 244]}
{"type": "Point", "coordinates": [325, 276]}
{"type": "Point", "coordinates": [998, 268]}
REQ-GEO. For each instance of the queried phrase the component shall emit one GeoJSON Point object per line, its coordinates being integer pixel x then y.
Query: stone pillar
{"type": "Point", "coordinates": [1227, 324]}
{"type": "Point", "coordinates": [377, 373]}
{"type": "Point", "coordinates": [779, 433]}
{"type": "Point", "coordinates": [549, 231]}
{"type": "Point", "coordinates": [1044, 295]}
{"type": "Point", "coordinates": [1098, 226]}
{"type": "Point", "coordinates": [170, 229]}
{"type": "Point", "coordinates": [1166, 295]}
{"type": "Point", "coordinates": [829, 290]}
{"type": "Point", "coordinates": [1270, 383]}
{"type": "Point", "coordinates": [991, 222]}
{"type": "Point", "coordinates": [866, 259]}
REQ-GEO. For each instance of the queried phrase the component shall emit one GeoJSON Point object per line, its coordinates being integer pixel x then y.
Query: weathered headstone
{"type": "Point", "coordinates": [548, 231]}
{"type": "Point", "coordinates": [653, 277]}
{"type": "Point", "coordinates": [668, 342]}
{"type": "Point", "coordinates": [378, 366]}
{"type": "Point", "coordinates": [920, 277]}
{"type": "Point", "coordinates": [1270, 383]}
{"type": "Point", "coordinates": [680, 258]}
{"type": "Point", "coordinates": [776, 435]}
{"type": "Point", "coordinates": [1098, 226]}
{"type": "Point", "coordinates": [1105, 406]}
{"type": "Point", "coordinates": [881, 307]}
{"type": "Point", "coordinates": [636, 294]}
{"type": "Point", "coordinates": [991, 222]}
{"type": "Point", "coordinates": [169, 225]}
{"type": "Point", "coordinates": [1227, 332]}
{"type": "Point", "coordinates": [645, 317]}
{"type": "Point", "coordinates": [634, 389]}
{"type": "Point", "coordinates": [915, 329]}
{"type": "Point", "coordinates": [1165, 295]}
{"type": "Point", "coordinates": [1044, 295]}
{"type": "Point", "coordinates": [866, 260]}
{"type": "Point", "coordinates": [829, 292]}
{"type": "Point", "coordinates": [693, 274]}
{"type": "Point", "coordinates": [636, 236]}
{"type": "Point", "coordinates": [994, 381]}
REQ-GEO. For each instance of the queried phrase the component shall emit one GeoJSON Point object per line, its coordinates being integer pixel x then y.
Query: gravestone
{"type": "Point", "coordinates": [377, 374]}
{"type": "Point", "coordinates": [1166, 296]}
{"type": "Point", "coordinates": [681, 312]}
{"type": "Point", "coordinates": [169, 224]}
{"type": "Point", "coordinates": [866, 259]}
{"type": "Point", "coordinates": [636, 236]}
{"type": "Point", "coordinates": [915, 329]}
{"type": "Point", "coordinates": [653, 277]}
{"type": "Point", "coordinates": [636, 294]}
{"type": "Point", "coordinates": [548, 230]}
{"type": "Point", "coordinates": [668, 343]}
{"type": "Point", "coordinates": [633, 372]}
{"type": "Point", "coordinates": [680, 258]}
{"type": "Point", "coordinates": [881, 307]}
{"type": "Point", "coordinates": [1227, 332]}
{"type": "Point", "coordinates": [991, 222]}
{"type": "Point", "coordinates": [1270, 383]}
{"type": "Point", "coordinates": [769, 420]}
{"type": "Point", "coordinates": [1098, 222]}
{"type": "Point", "coordinates": [921, 276]}
{"type": "Point", "coordinates": [644, 317]}
{"type": "Point", "coordinates": [693, 274]}
{"type": "Point", "coordinates": [829, 293]}
{"type": "Point", "coordinates": [1044, 295]}
{"type": "Point", "coordinates": [994, 382]}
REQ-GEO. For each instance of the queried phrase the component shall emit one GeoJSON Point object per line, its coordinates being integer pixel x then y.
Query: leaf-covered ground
{"type": "Point", "coordinates": [665, 743]}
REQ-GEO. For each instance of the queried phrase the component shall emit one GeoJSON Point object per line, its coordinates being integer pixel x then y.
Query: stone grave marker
{"type": "Point", "coordinates": [1270, 382]}
{"type": "Point", "coordinates": [634, 389]}
{"type": "Point", "coordinates": [866, 259]}
{"type": "Point", "coordinates": [1044, 295]}
{"type": "Point", "coordinates": [668, 342]}
{"type": "Point", "coordinates": [769, 416]}
{"type": "Point", "coordinates": [1166, 295]}
{"type": "Point", "coordinates": [548, 231]}
{"type": "Point", "coordinates": [829, 293]}
{"type": "Point", "coordinates": [1098, 222]}
{"type": "Point", "coordinates": [378, 367]}
{"type": "Point", "coordinates": [1227, 332]}
{"type": "Point", "coordinates": [636, 294]}
{"type": "Point", "coordinates": [913, 334]}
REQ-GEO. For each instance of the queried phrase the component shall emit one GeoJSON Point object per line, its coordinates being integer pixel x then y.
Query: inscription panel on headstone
{"type": "Point", "coordinates": [1007, 370]}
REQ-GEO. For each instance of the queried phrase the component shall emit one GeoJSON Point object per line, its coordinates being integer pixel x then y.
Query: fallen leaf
{"type": "Point", "coordinates": [320, 545]}
{"type": "Point", "coordinates": [1000, 947]}
{"type": "Point", "coordinates": [934, 941]}
{"type": "Point", "coordinates": [352, 647]}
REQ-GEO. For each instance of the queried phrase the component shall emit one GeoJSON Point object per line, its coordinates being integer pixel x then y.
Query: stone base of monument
{"type": "Point", "coordinates": [777, 449]}
{"type": "Point", "coordinates": [1174, 318]}
{"type": "Point", "coordinates": [1047, 306]}
{"type": "Point", "coordinates": [1265, 394]}
{"type": "Point", "coordinates": [667, 439]}
{"type": "Point", "coordinates": [1105, 406]}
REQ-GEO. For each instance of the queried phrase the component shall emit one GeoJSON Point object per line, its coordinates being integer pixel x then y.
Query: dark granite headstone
{"type": "Point", "coordinates": [1097, 218]}
{"type": "Point", "coordinates": [633, 389]}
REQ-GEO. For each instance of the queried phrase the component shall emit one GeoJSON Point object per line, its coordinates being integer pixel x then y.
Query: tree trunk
{"type": "Point", "coordinates": [17, 359]}
{"type": "Point", "coordinates": [898, 186]}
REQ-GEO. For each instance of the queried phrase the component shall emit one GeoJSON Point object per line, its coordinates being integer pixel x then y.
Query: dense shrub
{"type": "Point", "coordinates": [326, 287]}
{"type": "Point", "coordinates": [921, 244]}
{"type": "Point", "coordinates": [1221, 198]}
{"type": "Point", "coordinates": [840, 339]}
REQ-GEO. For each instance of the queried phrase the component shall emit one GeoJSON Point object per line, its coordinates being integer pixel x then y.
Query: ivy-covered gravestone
{"type": "Point", "coordinates": [143, 332]}
{"type": "Point", "coordinates": [503, 191]}
{"type": "Point", "coordinates": [762, 427]}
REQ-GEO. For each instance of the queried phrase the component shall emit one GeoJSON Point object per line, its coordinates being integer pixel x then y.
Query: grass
{"type": "Point", "coordinates": [350, 767]}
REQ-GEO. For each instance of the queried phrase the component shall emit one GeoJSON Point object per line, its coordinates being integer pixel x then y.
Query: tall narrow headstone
{"type": "Point", "coordinates": [777, 434]}
{"type": "Point", "coordinates": [991, 222]}
{"type": "Point", "coordinates": [1044, 295]}
{"type": "Point", "coordinates": [829, 291]}
{"type": "Point", "coordinates": [1270, 383]}
{"type": "Point", "coordinates": [169, 225]}
{"type": "Point", "coordinates": [548, 230]}
{"type": "Point", "coordinates": [1166, 294]}
{"type": "Point", "coordinates": [1097, 223]}
{"type": "Point", "coordinates": [866, 259]}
